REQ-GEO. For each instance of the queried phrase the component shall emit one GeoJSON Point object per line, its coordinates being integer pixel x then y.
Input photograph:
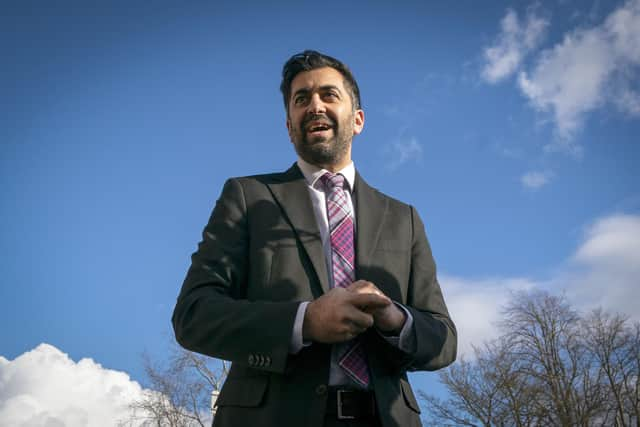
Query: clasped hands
{"type": "Point", "coordinates": [343, 313]}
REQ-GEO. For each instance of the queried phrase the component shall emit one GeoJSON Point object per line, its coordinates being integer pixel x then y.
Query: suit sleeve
{"type": "Point", "coordinates": [212, 315]}
{"type": "Point", "coordinates": [434, 333]}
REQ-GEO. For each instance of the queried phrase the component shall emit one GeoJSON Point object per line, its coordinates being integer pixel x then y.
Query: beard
{"type": "Point", "coordinates": [322, 150]}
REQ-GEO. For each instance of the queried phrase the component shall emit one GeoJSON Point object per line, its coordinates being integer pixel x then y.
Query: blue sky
{"type": "Point", "coordinates": [512, 127]}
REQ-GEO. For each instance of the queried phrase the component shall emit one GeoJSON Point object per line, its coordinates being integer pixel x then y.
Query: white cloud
{"type": "Point", "coordinates": [513, 43]}
{"type": "Point", "coordinates": [475, 305]}
{"type": "Point", "coordinates": [602, 272]}
{"type": "Point", "coordinates": [569, 79]}
{"type": "Point", "coordinates": [623, 26]}
{"type": "Point", "coordinates": [589, 68]}
{"type": "Point", "coordinates": [629, 102]}
{"type": "Point", "coordinates": [45, 388]}
{"type": "Point", "coordinates": [536, 179]}
{"type": "Point", "coordinates": [403, 151]}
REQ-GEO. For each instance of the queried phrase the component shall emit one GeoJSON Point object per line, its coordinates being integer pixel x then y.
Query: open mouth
{"type": "Point", "coordinates": [318, 128]}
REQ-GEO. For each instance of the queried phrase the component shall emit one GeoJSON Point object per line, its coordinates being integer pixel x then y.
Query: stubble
{"type": "Point", "coordinates": [321, 151]}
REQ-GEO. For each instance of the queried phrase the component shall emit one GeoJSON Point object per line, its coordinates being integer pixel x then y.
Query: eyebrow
{"type": "Point", "coordinates": [324, 88]}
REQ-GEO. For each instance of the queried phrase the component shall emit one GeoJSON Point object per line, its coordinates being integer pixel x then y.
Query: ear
{"type": "Point", "coordinates": [288, 123]}
{"type": "Point", "coordinates": [358, 122]}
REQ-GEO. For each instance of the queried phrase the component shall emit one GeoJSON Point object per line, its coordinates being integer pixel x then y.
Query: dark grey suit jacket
{"type": "Point", "coordinates": [261, 255]}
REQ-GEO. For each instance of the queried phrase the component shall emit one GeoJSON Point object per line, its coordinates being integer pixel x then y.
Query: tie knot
{"type": "Point", "coordinates": [332, 180]}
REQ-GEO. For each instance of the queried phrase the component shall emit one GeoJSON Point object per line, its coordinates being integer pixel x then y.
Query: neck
{"type": "Point", "coordinates": [335, 168]}
{"type": "Point", "coordinates": [339, 164]}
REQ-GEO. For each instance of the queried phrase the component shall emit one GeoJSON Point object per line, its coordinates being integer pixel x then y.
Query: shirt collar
{"type": "Point", "coordinates": [312, 173]}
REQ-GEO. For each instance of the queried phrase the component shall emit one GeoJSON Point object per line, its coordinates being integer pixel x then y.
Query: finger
{"type": "Point", "coordinates": [359, 284]}
{"type": "Point", "coordinates": [360, 320]}
{"type": "Point", "coordinates": [350, 335]}
{"type": "Point", "coordinates": [370, 301]}
{"type": "Point", "coordinates": [362, 286]}
{"type": "Point", "coordinates": [368, 290]}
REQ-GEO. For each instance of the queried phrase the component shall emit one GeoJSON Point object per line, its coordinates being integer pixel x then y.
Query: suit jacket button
{"type": "Point", "coordinates": [252, 360]}
{"type": "Point", "coordinates": [321, 390]}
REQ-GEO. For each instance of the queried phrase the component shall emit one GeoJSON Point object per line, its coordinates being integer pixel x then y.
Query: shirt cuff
{"type": "Point", "coordinates": [297, 342]}
{"type": "Point", "coordinates": [405, 340]}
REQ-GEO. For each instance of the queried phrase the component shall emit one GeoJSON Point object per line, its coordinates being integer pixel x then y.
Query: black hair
{"type": "Point", "coordinates": [310, 60]}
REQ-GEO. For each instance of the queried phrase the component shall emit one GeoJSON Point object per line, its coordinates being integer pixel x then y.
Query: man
{"type": "Point", "coordinates": [321, 290]}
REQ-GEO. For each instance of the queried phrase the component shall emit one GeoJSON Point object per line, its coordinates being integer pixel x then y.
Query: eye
{"type": "Point", "coordinates": [331, 95]}
{"type": "Point", "coordinates": [299, 99]}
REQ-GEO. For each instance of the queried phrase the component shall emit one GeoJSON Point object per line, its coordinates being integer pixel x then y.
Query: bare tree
{"type": "Point", "coordinates": [544, 333]}
{"type": "Point", "coordinates": [549, 367]}
{"type": "Point", "coordinates": [489, 391]}
{"type": "Point", "coordinates": [179, 392]}
{"type": "Point", "coordinates": [615, 347]}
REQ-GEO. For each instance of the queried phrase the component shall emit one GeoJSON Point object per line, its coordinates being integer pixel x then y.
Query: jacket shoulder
{"type": "Point", "coordinates": [291, 174]}
{"type": "Point", "coordinates": [391, 202]}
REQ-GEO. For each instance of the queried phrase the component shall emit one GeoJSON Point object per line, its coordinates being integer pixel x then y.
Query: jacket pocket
{"type": "Point", "coordinates": [244, 392]}
{"type": "Point", "coordinates": [409, 398]}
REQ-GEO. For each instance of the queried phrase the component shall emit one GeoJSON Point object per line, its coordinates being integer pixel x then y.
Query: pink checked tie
{"type": "Point", "coordinates": [353, 359]}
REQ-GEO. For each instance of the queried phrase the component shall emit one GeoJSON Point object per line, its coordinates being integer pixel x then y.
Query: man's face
{"type": "Point", "coordinates": [321, 120]}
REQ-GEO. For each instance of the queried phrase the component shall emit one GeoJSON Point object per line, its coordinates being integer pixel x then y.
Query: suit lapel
{"type": "Point", "coordinates": [292, 195]}
{"type": "Point", "coordinates": [371, 209]}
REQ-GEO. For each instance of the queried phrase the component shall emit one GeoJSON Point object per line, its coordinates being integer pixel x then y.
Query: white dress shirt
{"type": "Point", "coordinates": [404, 341]}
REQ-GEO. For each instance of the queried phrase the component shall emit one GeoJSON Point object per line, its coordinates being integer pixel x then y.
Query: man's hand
{"type": "Point", "coordinates": [389, 318]}
{"type": "Point", "coordinates": [341, 314]}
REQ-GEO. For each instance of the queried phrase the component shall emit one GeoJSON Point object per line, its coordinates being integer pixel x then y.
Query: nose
{"type": "Point", "coordinates": [316, 106]}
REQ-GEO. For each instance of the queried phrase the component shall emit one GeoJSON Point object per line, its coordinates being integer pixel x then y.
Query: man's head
{"type": "Point", "coordinates": [322, 101]}
{"type": "Point", "coordinates": [311, 60]}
